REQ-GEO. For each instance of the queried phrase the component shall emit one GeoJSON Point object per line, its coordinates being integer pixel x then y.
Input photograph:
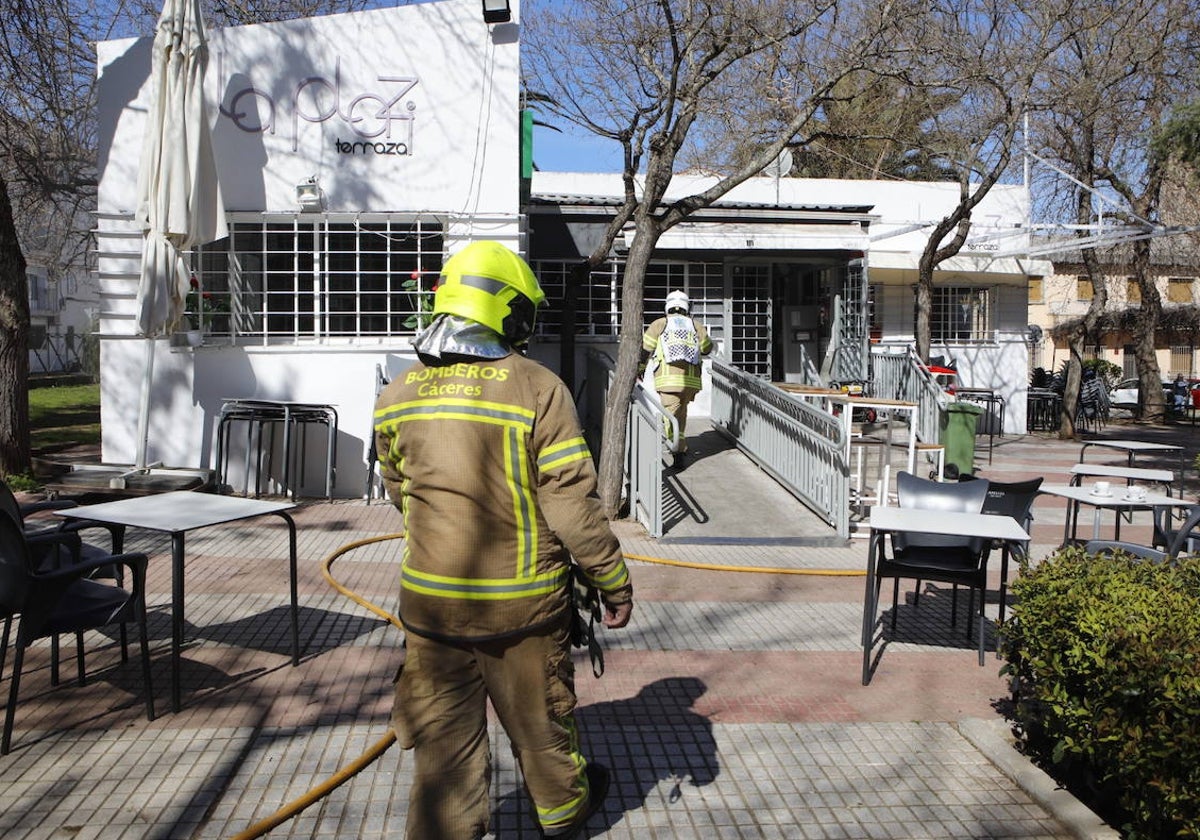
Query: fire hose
{"type": "Point", "coordinates": [343, 775]}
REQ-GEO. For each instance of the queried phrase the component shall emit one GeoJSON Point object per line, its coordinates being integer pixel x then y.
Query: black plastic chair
{"type": "Point", "coordinates": [50, 548]}
{"type": "Point", "coordinates": [938, 557]}
{"type": "Point", "coordinates": [1015, 499]}
{"type": "Point", "coordinates": [65, 600]}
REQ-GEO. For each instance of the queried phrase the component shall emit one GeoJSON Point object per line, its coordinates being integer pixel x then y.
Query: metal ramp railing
{"type": "Point", "coordinates": [801, 447]}
{"type": "Point", "coordinates": [649, 429]}
{"type": "Point", "coordinates": [901, 376]}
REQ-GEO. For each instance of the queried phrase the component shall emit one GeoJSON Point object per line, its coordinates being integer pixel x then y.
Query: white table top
{"type": "Point", "coordinates": [1134, 445]}
{"type": "Point", "coordinates": [951, 523]}
{"type": "Point", "coordinates": [1112, 471]}
{"type": "Point", "coordinates": [175, 512]}
{"type": "Point", "coordinates": [1116, 500]}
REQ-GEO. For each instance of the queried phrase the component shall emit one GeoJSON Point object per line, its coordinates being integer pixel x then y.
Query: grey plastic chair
{"type": "Point", "coordinates": [1179, 542]}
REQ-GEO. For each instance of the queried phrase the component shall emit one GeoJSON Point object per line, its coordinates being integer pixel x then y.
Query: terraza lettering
{"type": "Point", "coordinates": [362, 147]}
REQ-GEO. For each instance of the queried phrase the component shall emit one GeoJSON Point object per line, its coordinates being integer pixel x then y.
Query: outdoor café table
{"type": "Point", "coordinates": [1116, 500]}
{"type": "Point", "coordinates": [176, 514]}
{"type": "Point", "coordinates": [1128, 474]}
{"type": "Point", "coordinates": [891, 520]}
{"type": "Point", "coordinates": [1130, 447]}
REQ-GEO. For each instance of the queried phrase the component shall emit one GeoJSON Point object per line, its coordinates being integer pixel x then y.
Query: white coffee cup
{"type": "Point", "coordinates": [1102, 488]}
{"type": "Point", "coordinates": [1136, 493]}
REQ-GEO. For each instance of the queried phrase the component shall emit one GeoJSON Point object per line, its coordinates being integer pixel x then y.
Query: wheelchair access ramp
{"type": "Point", "coordinates": [722, 497]}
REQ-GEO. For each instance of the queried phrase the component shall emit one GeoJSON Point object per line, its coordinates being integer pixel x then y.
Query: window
{"type": "Point", "coordinates": [1083, 288]}
{"type": "Point", "coordinates": [40, 294]}
{"type": "Point", "coordinates": [1133, 292]}
{"type": "Point", "coordinates": [597, 305]}
{"type": "Point", "coordinates": [598, 299]}
{"type": "Point", "coordinates": [961, 313]}
{"type": "Point", "coordinates": [1036, 292]}
{"type": "Point", "coordinates": [1179, 290]}
{"type": "Point", "coordinates": [1181, 359]}
{"type": "Point", "coordinates": [315, 279]}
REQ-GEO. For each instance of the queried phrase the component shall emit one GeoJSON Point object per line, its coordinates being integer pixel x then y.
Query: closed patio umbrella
{"type": "Point", "coordinates": [179, 198]}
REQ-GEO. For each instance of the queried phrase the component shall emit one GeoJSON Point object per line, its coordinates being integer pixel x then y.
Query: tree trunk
{"type": "Point", "coordinates": [1149, 373]}
{"type": "Point", "coordinates": [616, 412]}
{"type": "Point", "coordinates": [14, 346]}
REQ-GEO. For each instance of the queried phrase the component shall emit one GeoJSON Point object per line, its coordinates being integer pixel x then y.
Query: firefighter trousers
{"type": "Point", "coordinates": [440, 711]}
{"type": "Point", "coordinates": [676, 404]}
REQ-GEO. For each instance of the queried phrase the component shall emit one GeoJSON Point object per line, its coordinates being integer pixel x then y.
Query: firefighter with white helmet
{"type": "Point", "coordinates": [482, 452]}
{"type": "Point", "coordinates": [676, 342]}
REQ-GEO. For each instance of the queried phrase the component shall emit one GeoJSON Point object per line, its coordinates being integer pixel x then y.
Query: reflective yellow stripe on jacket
{"type": "Point", "coordinates": [517, 423]}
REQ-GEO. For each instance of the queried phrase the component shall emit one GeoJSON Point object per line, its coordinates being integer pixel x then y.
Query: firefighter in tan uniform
{"type": "Point", "coordinates": [483, 454]}
{"type": "Point", "coordinates": [676, 343]}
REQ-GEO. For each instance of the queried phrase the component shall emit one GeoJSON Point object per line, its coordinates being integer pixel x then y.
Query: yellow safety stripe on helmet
{"type": "Point", "coordinates": [482, 589]}
{"type": "Point", "coordinates": [485, 284]}
{"type": "Point", "coordinates": [561, 454]}
{"type": "Point", "coordinates": [445, 408]}
{"type": "Point", "coordinates": [516, 473]}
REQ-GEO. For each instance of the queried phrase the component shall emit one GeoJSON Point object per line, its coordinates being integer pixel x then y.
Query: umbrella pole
{"type": "Point", "coordinates": [143, 434]}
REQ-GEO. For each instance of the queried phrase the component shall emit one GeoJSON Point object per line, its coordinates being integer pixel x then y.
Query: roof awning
{"type": "Point", "coordinates": [724, 236]}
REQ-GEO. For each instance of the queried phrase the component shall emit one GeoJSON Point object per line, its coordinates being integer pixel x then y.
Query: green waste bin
{"type": "Point", "coordinates": [959, 424]}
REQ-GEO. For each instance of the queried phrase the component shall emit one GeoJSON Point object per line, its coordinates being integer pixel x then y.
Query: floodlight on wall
{"type": "Point", "coordinates": [308, 194]}
{"type": "Point", "coordinates": [496, 11]}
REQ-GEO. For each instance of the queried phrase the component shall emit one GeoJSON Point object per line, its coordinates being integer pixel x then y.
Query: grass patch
{"type": "Point", "coordinates": [63, 416]}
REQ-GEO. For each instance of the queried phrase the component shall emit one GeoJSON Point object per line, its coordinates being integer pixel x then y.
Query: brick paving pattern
{"type": "Point", "coordinates": [731, 707]}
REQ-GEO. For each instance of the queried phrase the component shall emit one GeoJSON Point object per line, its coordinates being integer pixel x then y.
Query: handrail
{"type": "Point", "coordinates": [801, 447]}
{"type": "Point", "coordinates": [649, 425]}
{"type": "Point", "coordinates": [902, 376]}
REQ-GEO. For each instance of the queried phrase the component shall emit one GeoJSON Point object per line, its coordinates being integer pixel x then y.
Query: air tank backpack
{"type": "Point", "coordinates": [680, 341]}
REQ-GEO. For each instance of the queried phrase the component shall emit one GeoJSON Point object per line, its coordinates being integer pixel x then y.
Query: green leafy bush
{"type": "Point", "coordinates": [1104, 656]}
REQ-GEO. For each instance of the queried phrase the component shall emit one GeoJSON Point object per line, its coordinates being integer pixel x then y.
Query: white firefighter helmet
{"type": "Point", "coordinates": [678, 300]}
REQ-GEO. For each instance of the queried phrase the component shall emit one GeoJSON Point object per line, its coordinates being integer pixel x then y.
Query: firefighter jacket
{"type": "Point", "coordinates": [487, 463]}
{"type": "Point", "coordinates": [677, 342]}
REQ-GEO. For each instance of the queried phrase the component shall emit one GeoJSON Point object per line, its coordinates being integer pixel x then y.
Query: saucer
{"type": "Point", "coordinates": [1107, 495]}
{"type": "Point", "coordinates": [1130, 498]}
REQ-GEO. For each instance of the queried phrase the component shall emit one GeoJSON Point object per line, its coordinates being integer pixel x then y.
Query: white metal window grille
{"type": "Point", "coordinates": [961, 313]}
{"type": "Point", "coordinates": [313, 279]}
{"type": "Point", "coordinates": [1128, 362]}
{"type": "Point", "coordinates": [1181, 359]}
{"type": "Point", "coordinates": [750, 320]}
{"type": "Point", "coordinates": [596, 302]}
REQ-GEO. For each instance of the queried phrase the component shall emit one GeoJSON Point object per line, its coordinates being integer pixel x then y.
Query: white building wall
{"type": "Point", "coordinates": [408, 110]}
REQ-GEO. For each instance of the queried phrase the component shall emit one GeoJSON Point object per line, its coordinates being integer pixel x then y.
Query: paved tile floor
{"type": "Point", "coordinates": [731, 707]}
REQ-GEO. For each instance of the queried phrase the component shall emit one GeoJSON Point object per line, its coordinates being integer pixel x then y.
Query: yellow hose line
{"type": "Point", "coordinates": [326, 787]}
{"type": "Point", "coordinates": [383, 744]}
{"type": "Point", "coordinates": [766, 570]}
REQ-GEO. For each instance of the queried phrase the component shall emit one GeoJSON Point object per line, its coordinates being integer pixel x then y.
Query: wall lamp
{"type": "Point", "coordinates": [496, 11]}
{"type": "Point", "coordinates": [308, 194]}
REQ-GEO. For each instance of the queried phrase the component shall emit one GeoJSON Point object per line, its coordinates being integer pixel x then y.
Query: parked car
{"type": "Point", "coordinates": [1127, 395]}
